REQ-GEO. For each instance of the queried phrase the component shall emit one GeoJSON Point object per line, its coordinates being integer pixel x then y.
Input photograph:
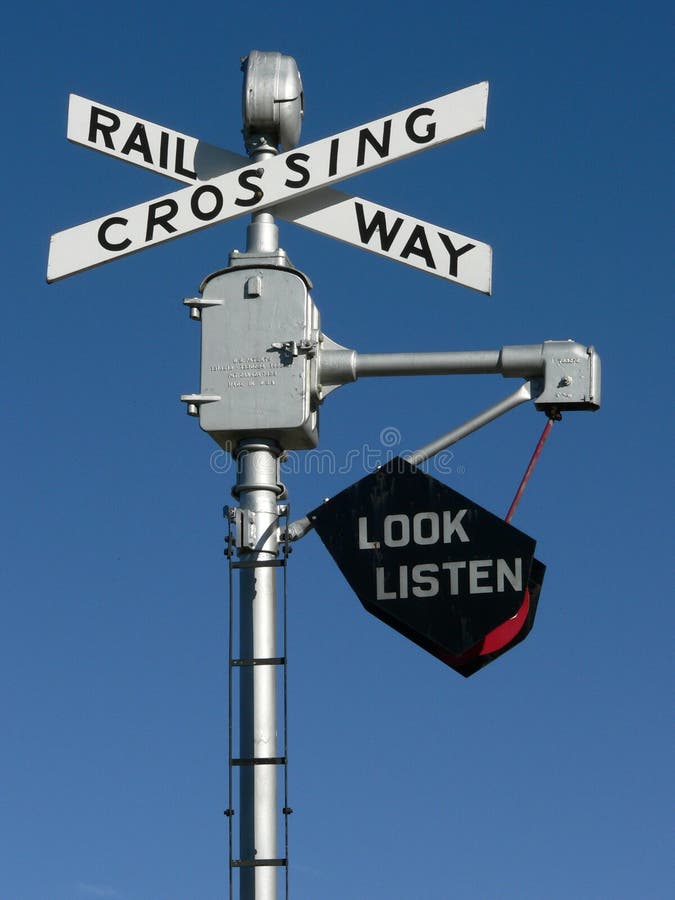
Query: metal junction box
{"type": "Point", "coordinates": [571, 377]}
{"type": "Point", "coordinates": [258, 368]}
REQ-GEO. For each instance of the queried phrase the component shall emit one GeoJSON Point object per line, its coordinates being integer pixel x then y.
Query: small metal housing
{"type": "Point", "coordinates": [571, 377]}
{"type": "Point", "coordinates": [273, 100]}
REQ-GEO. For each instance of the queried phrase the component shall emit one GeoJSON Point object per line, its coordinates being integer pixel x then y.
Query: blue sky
{"type": "Point", "coordinates": [546, 775]}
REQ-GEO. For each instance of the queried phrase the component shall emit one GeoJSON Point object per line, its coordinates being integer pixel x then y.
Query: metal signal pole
{"type": "Point", "coordinates": [267, 123]}
{"type": "Point", "coordinates": [257, 490]}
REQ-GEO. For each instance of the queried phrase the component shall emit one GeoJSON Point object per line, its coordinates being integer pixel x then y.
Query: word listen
{"type": "Point", "coordinates": [451, 577]}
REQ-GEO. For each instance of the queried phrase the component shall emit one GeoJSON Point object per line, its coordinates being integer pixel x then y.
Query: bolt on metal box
{"type": "Point", "coordinates": [258, 364]}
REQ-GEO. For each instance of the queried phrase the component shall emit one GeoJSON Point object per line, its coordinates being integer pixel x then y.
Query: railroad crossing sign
{"type": "Point", "coordinates": [441, 570]}
{"type": "Point", "coordinates": [292, 185]}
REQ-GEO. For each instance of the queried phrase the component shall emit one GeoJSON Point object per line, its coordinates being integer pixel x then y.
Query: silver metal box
{"type": "Point", "coordinates": [571, 377]}
{"type": "Point", "coordinates": [258, 368]}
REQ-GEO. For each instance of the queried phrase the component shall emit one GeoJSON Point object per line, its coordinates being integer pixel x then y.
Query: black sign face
{"type": "Point", "coordinates": [428, 561]}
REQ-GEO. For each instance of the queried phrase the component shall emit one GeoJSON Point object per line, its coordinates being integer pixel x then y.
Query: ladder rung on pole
{"type": "Point", "coordinates": [254, 863]}
{"type": "Point", "coordinates": [260, 761]}
{"type": "Point", "coordinates": [269, 661]}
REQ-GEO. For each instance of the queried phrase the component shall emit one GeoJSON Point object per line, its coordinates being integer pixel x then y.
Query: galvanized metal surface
{"type": "Point", "coordinates": [257, 363]}
{"type": "Point", "coordinates": [567, 373]}
{"type": "Point", "coordinates": [273, 100]}
{"type": "Point", "coordinates": [257, 489]}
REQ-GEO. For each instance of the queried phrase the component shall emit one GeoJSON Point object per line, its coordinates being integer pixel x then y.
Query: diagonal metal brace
{"type": "Point", "coordinates": [522, 395]}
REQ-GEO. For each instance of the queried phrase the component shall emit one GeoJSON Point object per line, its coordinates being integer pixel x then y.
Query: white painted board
{"type": "Point", "coordinates": [354, 221]}
{"type": "Point", "coordinates": [254, 187]}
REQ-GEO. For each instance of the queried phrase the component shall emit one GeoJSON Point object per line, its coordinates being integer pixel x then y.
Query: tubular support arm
{"type": "Point", "coordinates": [567, 373]}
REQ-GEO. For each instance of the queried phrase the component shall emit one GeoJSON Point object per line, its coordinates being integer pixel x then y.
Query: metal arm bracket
{"type": "Point", "coordinates": [569, 371]}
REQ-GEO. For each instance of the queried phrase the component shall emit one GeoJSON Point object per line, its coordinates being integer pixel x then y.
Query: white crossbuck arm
{"type": "Point", "coordinates": [292, 185]}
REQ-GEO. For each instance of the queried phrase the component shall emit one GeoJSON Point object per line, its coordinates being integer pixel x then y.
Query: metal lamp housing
{"type": "Point", "coordinates": [273, 100]}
